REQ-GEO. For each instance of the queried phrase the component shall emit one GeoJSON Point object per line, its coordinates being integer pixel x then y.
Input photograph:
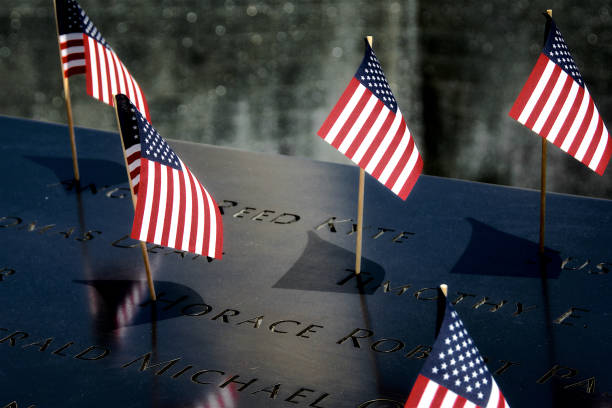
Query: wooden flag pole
{"type": "Point", "coordinates": [543, 187]}
{"type": "Point", "coordinates": [444, 289]}
{"type": "Point", "coordinates": [75, 163]}
{"type": "Point", "coordinates": [143, 246]}
{"type": "Point", "coordinates": [360, 208]}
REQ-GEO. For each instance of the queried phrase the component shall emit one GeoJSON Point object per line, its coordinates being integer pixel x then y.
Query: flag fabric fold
{"type": "Point", "coordinates": [173, 209]}
{"type": "Point", "coordinates": [367, 126]}
{"type": "Point", "coordinates": [556, 104]}
{"type": "Point", "coordinates": [455, 375]}
{"type": "Point", "coordinates": [85, 51]}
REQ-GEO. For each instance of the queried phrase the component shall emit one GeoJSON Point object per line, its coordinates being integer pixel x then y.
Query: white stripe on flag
{"type": "Point", "coordinates": [188, 210]}
{"type": "Point", "coordinates": [111, 72]}
{"type": "Point", "coordinates": [199, 243]}
{"type": "Point", "coordinates": [148, 201]}
{"type": "Point", "coordinates": [407, 171]}
{"type": "Point", "coordinates": [128, 79]}
{"type": "Point", "coordinates": [567, 105]}
{"type": "Point", "coordinates": [134, 165]}
{"type": "Point", "coordinates": [363, 116]}
{"type": "Point", "coordinates": [212, 216]}
{"type": "Point", "coordinates": [176, 200]}
{"type": "Point", "coordinates": [588, 136]}
{"type": "Point", "coordinates": [72, 50]}
{"type": "Point", "coordinates": [469, 404]}
{"type": "Point", "coordinates": [449, 400]}
{"type": "Point", "coordinates": [135, 180]}
{"type": "Point", "coordinates": [161, 212]}
{"type": "Point", "coordinates": [550, 103]}
{"type": "Point", "coordinates": [537, 92]}
{"type": "Point", "coordinates": [103, 75]}
{"type": "Point", "coordinates": [494, 398]}
{"type": "Point", "coordinates": [601, 147]}
{"type": "Point", "coordinates": [132, 149]}
{"type": "Point", "coordinates": [571, 134]}
{"type": "Point", "coordinates": [382, 147]}
{"type": "Point", "coordinates": [73, 63]}
{"type": "Point", "coordinates": [93, 67]}
{"type": "Point", "coordinates": [346, 112]}
{"type": "Point", "coordinates": [141, 105]}
{"type": "Point", "coordinates": [367, 141]}
{"type": "Point", "coordinates": [70, 37]}
{"type": "Point", "coordinates": [121, 85]}
{"type": "Point", "coordinates": [428, 394]}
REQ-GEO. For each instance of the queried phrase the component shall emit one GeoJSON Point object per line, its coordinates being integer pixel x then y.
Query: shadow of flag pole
{"type": "Point", "coordinates": [75, 163]}
{"type": "Point", "coordinates": [360, 208]}
{"type": "Point", "coordinates": [143, 246]}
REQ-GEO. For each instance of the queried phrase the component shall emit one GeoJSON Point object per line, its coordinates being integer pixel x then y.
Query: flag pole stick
{"type": "Point", "coordinates": [543, 187]}
{"type": "Point", "coordinates": [444, 289]}
{"type": "Point", "coordinates": [143, 246]}
{"type": "Point", "coordinates": [360, 208]}
{"type": "Point", "coordinates": [75, 163]}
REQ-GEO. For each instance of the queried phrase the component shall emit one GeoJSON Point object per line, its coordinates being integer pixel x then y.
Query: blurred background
{"type": "Point", "coordinates": [262, 75]}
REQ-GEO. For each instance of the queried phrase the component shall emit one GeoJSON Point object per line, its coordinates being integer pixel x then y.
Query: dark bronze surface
{"type": "Point", "coordinates": [280, 321]}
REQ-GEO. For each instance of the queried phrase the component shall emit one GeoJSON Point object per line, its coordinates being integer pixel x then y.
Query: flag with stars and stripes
{"type": "Point", "coordinates": [556, 104]}
{"type": "Point", "coordinates": [454, 374]}
{"type": "Point", "coordinates": [367, 127]}
{"type": "Point", "coordinates": [85, 51]}
{"type": "Point", "coordinates": [173, 209]}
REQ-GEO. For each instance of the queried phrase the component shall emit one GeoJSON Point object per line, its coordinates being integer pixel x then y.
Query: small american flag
{"type": "Point", "coordinates": [84, 50]}
{"type": "Point", "coordinates": [367, 126]}
{"type": "Point", "coordinates": [454, 374]}
{"type": "Point", "coordinates": [556, 104]}
{"type": "Point", "coordinates": [172, 208]}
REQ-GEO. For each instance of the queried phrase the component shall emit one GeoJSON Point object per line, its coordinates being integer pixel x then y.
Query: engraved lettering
{"type": "Point", "coordinates": [381, 231]}
{"type": "Point", "coordinates": [321, 398]}
{"type": "Point", "coordinates": [495, 306]}
{"type": "Point", "coordinates": [195, 377]}
{"type": "Point", "coordinates": [243, 212]}
{"type": "Point", "coordinates": [400, 289]}
{"type": "Point", "coordinates": [232, 380]}
{"type": "Point", "coordinates": [331, 223]}
{"type": "Point", "coordinates": [262, 215]}
{"type": "Point", "coordinates": [286, 218]}
{"type": "Point", "coordinates": [272, 390]}
{"type": "Point", "coordinates": [521, 309]}
{"type": "Point", "coordinates": [64, 347]}
{"type": "Point", "coordinates": [256, 322]}
{"type": "Point", "coordinates": [506, 365]}
{"type": "Point", "coordinates": [398, 238]}
{"type": "Point", "coordinates": [557, 371]}
{"type": "Point", "coordinates": [111, 193]}
{"type": "Point", "coordinates": [224, 314]}
{"type": "Point", "coordinates": [31, 227]}
{"type": "Point", "coordinates": [419, 352]}
{"type": "Point", "coordinates": [68, 232]}
{"type": "Point", "coordinates": [587, 385]}
{"type": "Point", "coordinates": [11, 337]}
{"type": "Point", "coordinates": [146, 358]}
{"type": "Point", "coordinates": [419, 294]}
{"type": "Point", "coordinates": [171, 303]}
{"type": "Point", "coordinates": [461, 297]}
{"type": "Point", "coordinates": [104, 352]}
{"type": "Point", "coordinates": [183, 371]}
{"type": "Point", "coordinates": [43, 344]}
{"type": "Point", "coordinates": [226, 204]}
{"type": "Point", "coordinates": [125, 237]}
{"type": "Point", "coordinates": [573, 268]}
{"type": "Point", "coordinates": [602, 269]}
{"type": "Point", "coordinates": [308, 330]}
{"type": "Point", "coordinates": [88, 235]}
{"type": "Point", "coordinates": [203, 306]}
{"type": "Point", "coordinates": [386, 403]}
{"type": "Point", "coordinates": [6, 272]}
{"type": "Point", "coordinates": [70, 184]}
{"type": "Point", "coordinates": [273, 328]}
{"type": "Point", "coordinates": [395, 345]}
{"type": "Point", "coordinates": [353, 336]}
{"type": "Point", "coordinates": [570, 313]}
{"type": "Point", "coordinates": [6, 222]}
{"type": "Point", "coordinates": [297, 394]}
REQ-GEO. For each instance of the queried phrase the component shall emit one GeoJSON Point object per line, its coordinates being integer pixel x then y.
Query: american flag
{"type": "Point", "coordinates": [454, 374]}
{"type": "Point", "coordinates": [367, 126]}
{"type": "Point", "coordinates": [84, 50]}
{"type": "Point", "coordinates": [173, 209]}
{"type": "Point", "coordinates": [556, 104]}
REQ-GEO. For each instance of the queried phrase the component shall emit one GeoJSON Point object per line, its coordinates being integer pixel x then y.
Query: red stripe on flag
{"type": "Point", "coordinates": [390, 151]}
{"type": "Point", "coordinates": [155, 201]}
{"type": "Point", "coordinates": [459, 402]}
{"type": "Point", "coordinates": [411, 181]}
{"type": "Point", "coordinates": [417, 391]}
{"type": "Point", "coordinates": [554, 113]}
{"type": "Point", "coordinates": [529, 87]}
{"type": "Point", "coordinates": [109, 89]}
{"type": "Point", "coordinates": [207, 220]}
{"type": "Point", "coordinates": [219, 232]}
{"type": "Point", "coordinates": [377, 139]}
{"type": "Point", "coordinates": [350, 152]}
{"type": "Point", "coordinates": [588, 116]}
{"type": "Point", "coordinates": [594, 141]}
{"type": "Point", "coordinates": [75, 70]}
{"type": "Point", "coordinates": [88, 81]}
{"type": "Point", "coordinates": [350, 121]}
{"type": "Point", "coordinates": [605, 158]}
{"type": "Point", "coordinates": [140, 204]}
{"type": "Point", "coordinates": [71, 43]}
{"type": "Point", "coordinates": [101, 88]}
{"type": "Point", "coordinates": [133, 156]}
{"type": "Point", "coordinates": [195, 213]}
{"type": "Point", "coordinates": [570, 118]}
{"type": "Point", "coordinates": [439, 397]}
{"type": "Point", "coordinates": [537, 109]}
{"type": "Point", "coordinates": [333, 116]}
{"type": "Point", "coordinates": [180, 225]}
{"type": "Point", "coordinates": [169, 204]}
{"type": "Point", "coordinates": [135, 172]}
{"type": "Point", "coordinates": [501, 402]}
{"type": "Point", "coordinates": [116, 75]}
{"type": "Point", "coordinates": [399, 167]}
{"type": "Point", "coordinates": [73, 57]}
